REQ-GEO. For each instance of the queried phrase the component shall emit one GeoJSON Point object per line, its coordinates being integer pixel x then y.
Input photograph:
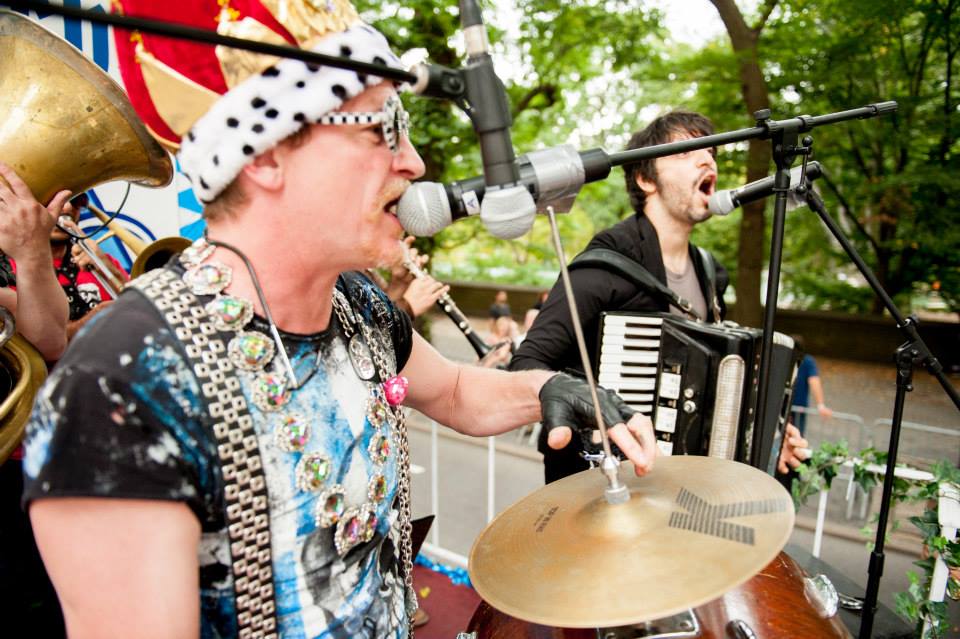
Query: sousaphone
{"type": "Point", "coordinates": [64, 124]}
{"type": "Point", "coordinates": [22, 370]}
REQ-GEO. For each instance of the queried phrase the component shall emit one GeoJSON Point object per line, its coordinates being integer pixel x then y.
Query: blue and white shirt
{"type": "Point", "coordinates": [122, 416]}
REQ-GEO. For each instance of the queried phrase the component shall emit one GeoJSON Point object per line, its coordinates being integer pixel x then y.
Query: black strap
{"type": "Point", "coordinates": [710, 271]}
{"type": "Point", "coordinates": [632, 270]}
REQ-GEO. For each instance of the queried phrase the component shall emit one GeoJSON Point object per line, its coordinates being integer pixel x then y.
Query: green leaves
{"type": "Point", "coordinates": [588, 73]}
{"type": "Point", "coordinates": [822, 468]}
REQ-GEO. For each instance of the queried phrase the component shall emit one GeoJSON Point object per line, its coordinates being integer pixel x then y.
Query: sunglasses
{"type": "Point", "coordinates": [394, 121]}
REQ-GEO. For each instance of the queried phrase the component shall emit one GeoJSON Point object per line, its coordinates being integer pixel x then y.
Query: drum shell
{"type": "Point", "coordinates": [772, 603]}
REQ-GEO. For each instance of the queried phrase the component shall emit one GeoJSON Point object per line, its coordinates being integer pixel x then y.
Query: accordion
{"type": "Point", "coordinates": [699, 383]}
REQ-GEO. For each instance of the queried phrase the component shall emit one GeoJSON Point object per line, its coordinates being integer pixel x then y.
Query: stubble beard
{"type": "Point", "coordinates": [680, 205]}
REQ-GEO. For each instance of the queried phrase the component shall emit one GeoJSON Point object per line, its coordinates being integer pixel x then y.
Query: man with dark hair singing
{"type": "Point", "coordinates": [670, 196]}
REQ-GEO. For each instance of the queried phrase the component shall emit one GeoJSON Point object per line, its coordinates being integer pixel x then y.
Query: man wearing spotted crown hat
{"type": "Point", "coordinates": [223, 452]}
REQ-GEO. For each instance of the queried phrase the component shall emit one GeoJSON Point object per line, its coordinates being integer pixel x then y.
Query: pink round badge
{"type": "Point", "coordinates": [395, 390]}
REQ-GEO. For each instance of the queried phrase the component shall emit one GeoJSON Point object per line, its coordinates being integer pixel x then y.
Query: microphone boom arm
{"type": "Point", "coordinates": [194, 34]}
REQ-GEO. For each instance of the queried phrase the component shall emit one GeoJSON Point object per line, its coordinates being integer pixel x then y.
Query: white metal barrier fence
{"type": "Point", "coordinates": [854, 424]}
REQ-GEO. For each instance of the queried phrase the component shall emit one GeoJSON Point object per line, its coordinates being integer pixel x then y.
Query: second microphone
{"type": "Point", "coordinates": [553, 176]}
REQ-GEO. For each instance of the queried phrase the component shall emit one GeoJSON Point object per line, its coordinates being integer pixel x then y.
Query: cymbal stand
{"type": "Point", "coordinates": [912, 352]}
{"type": "Point", "coordinates": [616, 492]}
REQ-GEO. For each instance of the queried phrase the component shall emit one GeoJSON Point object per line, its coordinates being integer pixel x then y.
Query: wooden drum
{"type": "Point", "coordinates": [772, 603]}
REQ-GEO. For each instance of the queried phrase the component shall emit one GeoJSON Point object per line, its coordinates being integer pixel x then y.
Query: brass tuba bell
{"type": "Point", "coordinates": [64, 124]}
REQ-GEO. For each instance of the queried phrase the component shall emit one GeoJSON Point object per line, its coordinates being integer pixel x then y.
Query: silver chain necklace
{"type": "Point", "coordinates": [342, 308]}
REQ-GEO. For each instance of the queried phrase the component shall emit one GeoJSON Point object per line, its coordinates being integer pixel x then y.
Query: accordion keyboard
{"type": "Point", "coordinates": [698, 382]}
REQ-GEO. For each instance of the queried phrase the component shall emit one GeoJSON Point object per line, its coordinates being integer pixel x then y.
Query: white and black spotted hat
{"type": "Point", "coordinates": [218, 108]}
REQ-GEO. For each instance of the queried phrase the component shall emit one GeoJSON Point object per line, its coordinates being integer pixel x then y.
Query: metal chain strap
{"type": "Point", "coordinates": [342, 308]}
{"type": "Point", "coordinates": [245, 488]}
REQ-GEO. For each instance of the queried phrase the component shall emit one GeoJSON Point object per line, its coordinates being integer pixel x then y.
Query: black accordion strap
{"type": "Point", "coordinates": [619, 263]}
{"type": "Point", "coordinates": [710, 270]}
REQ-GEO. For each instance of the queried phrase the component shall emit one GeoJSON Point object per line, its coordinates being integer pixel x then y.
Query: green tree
{"type": "Point", "coordinates": [891, 179]}
{"type": "Point", "coordinates": [556, 81]}
{"type": "Point", "coordinates": [587, 73]}
{"type": "Point", "coordinates": [745, 40]}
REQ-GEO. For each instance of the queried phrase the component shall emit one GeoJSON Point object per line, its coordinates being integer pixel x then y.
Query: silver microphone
{"type": "Point", "coordinates": [722, 202]}
{"type": "Point", "coordinates": [552, 177]}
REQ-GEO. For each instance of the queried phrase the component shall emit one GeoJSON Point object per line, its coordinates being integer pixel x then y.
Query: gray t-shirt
{"type": "Point", "coordinates": [687, 286]}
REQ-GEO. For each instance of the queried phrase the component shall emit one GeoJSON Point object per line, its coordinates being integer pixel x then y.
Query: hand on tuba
{"type": "Point", "coordinates": [25, 223]}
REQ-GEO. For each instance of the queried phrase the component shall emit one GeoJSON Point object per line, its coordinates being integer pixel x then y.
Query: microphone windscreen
{"type": "Point", "coordinates": [424, 209]}
{"type": "Point", "coordinates": [508, 213]}
{"type": "Point", "coordinates": [721, 202]}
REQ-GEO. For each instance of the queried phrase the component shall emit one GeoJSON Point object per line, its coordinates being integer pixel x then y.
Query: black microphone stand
{"type": "Point", "coordinates": [912, 352]}
{"type": "Point", "coordinates": [195, 34]}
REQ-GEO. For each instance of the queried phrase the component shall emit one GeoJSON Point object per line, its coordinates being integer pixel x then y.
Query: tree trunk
{"type": "Point", "coordinates": [755, 94]}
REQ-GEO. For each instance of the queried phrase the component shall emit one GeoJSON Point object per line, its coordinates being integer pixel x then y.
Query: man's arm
{"type": "Point", "coordinates": [551, 343]}
{"type": "Point", "coordinates": [121, 567]}
{"type": "Point", "coordinates": [471, 399]}
{"type": "Point", "coordinates": [816, 389]}
{"type": "Point", "coordinates": [480, 401]}
{"type": "Point", "coordinates": [39, 305]}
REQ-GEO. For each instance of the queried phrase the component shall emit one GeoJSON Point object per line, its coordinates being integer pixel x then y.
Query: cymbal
{"type": "Point", "coordinates": [694, 528]}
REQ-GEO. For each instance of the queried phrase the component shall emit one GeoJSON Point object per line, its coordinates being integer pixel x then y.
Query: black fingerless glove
{"type": "Point", "coordinates": [565, 401]}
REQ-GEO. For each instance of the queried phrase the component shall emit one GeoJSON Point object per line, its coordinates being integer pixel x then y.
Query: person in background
{"type": "Point", "coordinates": [33, 295]}
{"type": "Point", "coordinates": [808, 383]}
{"type": "Point", "coordinates": [74, 268]}
{"type": "Point", "coordinates": [670, 196]}
{"type": "Point", "coordinates": [534, 310]}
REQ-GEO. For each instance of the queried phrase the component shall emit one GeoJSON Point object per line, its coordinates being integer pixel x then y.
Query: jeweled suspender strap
{"type": "Point", "coordinates": [245, 488]}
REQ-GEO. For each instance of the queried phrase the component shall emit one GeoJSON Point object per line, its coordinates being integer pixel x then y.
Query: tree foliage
{"type": "Point", "coordinates": [891, 177]}
{"type": "Point", "coordinates": [591, 72]}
